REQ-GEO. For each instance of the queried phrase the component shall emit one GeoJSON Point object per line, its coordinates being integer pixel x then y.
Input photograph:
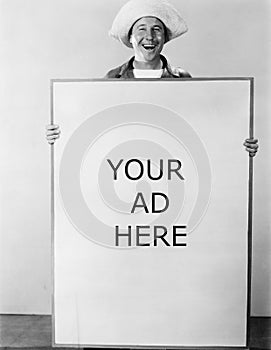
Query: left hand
{"type": "Point", "coordinates": [251, 146]}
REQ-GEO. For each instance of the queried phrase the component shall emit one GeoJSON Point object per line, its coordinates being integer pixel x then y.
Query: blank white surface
{"type": "Point", "coordinates": [193, 296]}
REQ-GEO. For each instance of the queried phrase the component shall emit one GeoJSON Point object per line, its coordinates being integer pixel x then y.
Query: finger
{"type": "Point", "coordinates": [53, 132]}
{"type": "Point", "coordinates": [52, 126]}
{"type": "Point", "coordinates": [52, 137]}
{"type": "Point", "coordinates": [252, 154]}
{"type": "Point", "coordinates": [51, 142]}
{"type": "Point", "coordinates": [249, 149]}
{"type": "Point", "coordinates": [252, 147]}
{"type": "Point", "coordinates": [251, 141]}
{"type": "Point", "coordinates": [249, 144]}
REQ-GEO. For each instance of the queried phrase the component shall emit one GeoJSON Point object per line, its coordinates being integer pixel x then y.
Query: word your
{"type": "Point", "coordinates": [173, 167]}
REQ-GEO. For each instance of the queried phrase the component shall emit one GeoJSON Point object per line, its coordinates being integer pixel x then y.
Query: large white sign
{"type": "Point", "coordinates": [150, 213]}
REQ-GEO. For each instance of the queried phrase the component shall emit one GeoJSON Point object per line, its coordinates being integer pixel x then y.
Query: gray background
{"type": "Point", "coordinates": [40, 40]}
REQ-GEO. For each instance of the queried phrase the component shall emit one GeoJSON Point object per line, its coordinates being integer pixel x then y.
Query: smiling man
{"type": "Point", "coordinates": [145, 26]}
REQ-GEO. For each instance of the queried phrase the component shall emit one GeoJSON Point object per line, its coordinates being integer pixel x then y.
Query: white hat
{"type": "Point", "coordinates": [133, 10]}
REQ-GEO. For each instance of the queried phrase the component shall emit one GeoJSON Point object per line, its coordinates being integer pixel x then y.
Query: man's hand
{"type": "Point", "coordinates": [52, 133]}
{"type": "Point", "coordinates": [251, 146]}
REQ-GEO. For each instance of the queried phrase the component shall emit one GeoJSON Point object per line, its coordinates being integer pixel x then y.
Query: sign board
{"type": "Point", "coordinates": [150, 213]}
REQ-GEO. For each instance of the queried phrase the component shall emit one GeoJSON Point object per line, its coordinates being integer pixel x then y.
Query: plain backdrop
{"type": "Point", "coordinates": [40, 40]}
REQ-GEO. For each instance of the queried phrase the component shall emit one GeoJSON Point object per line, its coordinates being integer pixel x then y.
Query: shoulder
{"type": "Point", "coordinates": [114, 73]}
{"type": "Point", "coordinates": [173, 72]}
{"type": "Point", "coordinates": [118, 72]}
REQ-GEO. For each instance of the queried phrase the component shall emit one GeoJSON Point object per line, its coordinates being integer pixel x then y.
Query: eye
{"type": "Point", "coordinates": [140, 28]}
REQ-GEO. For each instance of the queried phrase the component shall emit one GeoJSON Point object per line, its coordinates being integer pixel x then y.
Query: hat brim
{"type": "Point", "coordinates": [136, 9]}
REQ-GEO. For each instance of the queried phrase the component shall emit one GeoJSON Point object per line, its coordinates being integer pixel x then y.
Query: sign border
{"type": "Point", "coordinates": [249, 215]}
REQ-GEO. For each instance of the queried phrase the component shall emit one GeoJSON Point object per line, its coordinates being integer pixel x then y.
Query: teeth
{"type": "Point", "coordinates": [149, 47]}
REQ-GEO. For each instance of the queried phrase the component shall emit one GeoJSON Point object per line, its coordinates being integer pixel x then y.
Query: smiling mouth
{"type": "Point", "coordinates": [149, 47]}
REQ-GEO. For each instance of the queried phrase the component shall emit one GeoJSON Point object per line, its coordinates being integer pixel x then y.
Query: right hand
{"type": "Point", "coordinates": [251, 146]}
{"type": "Point", "coordinates": [52, 133]}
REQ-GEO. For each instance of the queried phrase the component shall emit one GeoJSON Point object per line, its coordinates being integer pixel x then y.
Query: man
{"type": "Point", "coordinates": [146, 26]}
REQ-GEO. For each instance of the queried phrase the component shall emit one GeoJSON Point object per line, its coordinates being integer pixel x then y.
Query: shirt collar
{"type": "Point", "coordinates": [127, 69]}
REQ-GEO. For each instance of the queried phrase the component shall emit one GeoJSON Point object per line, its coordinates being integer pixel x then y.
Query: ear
{"type": "Point", "coordinates": [132, 39]}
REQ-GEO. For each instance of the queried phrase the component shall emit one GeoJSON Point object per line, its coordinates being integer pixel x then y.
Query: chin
{"type": "Point", "coordinates": [151, 57]}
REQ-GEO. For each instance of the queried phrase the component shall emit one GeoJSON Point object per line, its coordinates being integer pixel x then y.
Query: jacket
{"type": "Point", "coordinates": [125, 71]}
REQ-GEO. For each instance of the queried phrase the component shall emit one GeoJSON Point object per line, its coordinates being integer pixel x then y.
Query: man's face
{"type": "Point", "coordinates": [148, 38]}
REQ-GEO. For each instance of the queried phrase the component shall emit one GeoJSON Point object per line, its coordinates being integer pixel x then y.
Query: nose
{"type": "Point", "coordinates": [149, 34]}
